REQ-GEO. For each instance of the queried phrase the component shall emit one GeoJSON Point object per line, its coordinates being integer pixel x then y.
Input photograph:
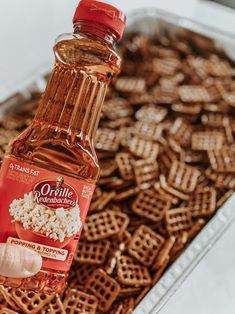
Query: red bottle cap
{"type": "Point", "coordinates": [102, 13]}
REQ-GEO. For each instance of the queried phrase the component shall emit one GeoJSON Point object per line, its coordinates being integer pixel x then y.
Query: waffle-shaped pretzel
{"type": "Point", "coordinates": [213, 120]}
{"type": "Point", "coordinates": [6, 293]}
{"type": "Point", "coordinates": [107, 139]}
{"type": "Point", "coordinates": [202, 203]}
{"type": "Point", "coordinates": [221, 180]}
{"type": "Point", "coordinates": [168, 196]}
{"type": "Point", "coordinates": [167, 66]}
{"type": "Point", "coordinates": [149, 204]}
{"type": "Point", "coordinates": [29, 301]}
{"type": "Point", "coordinates": [84, 272]}
{"type": "Point", "coordinates": [117, 108]}
{"type": "Point", "coordinates": [178, 220]}
{"type": "Point", "coordinates": [105, 288]}
{"type": "Point", "coordinates": [145, 245]}
{"type": "Point", "coordinates": [222, 160]}
{"type": "Point", "coordinates": [131, 273]}
{"type": "Point", "coordinates": [207, 140]}
{"type": "Point", "coordinates": [183, 177]}
{"type": "Point", "coordinates": [172, 191]}
{"type": "Point", "coordinates": [125, 167]}
{"type": "Point", "coordinates": [130, 85]}
{"type": "Point", "coordinates": [151, 113]}
{"type": "Point", "coordinates": [55, 307]}
{"type": "Point", "coordinates": [148, 130]}
{"type": "Point", "coordinates": [146, 172]}
{"type": "Point", "coordinates": [181, 132]}
{"type": "Point", "coordinates": [91, 253]}
{"type": "Point", "coordinates": [107, 167]}
{"type": "Point", "coordinates": [141, 99]}
{"type": "Point", "coordinates": [100, 226]}
{"type": "Point", "coordinates": [219, 67]}
{"type": "Point", "coordinates": [144, 149]}
{"type": "Point", "coordinates": [194, 93]}
{"type": "Point", "coordinates": [165, 94]}
{"type": "Point", "coordinates": [80, 302]}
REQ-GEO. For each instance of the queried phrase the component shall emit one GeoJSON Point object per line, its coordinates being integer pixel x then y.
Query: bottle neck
{"type": "Point", "coordinates": [95, 31]}
{"type": "Point", "coordinates": [72, 103]}
{"type": "Point", "coordinates": [76, 90]}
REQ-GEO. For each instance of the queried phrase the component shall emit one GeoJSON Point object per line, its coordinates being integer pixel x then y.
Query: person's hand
{"type": "Point", "coordinates": [18, 262]}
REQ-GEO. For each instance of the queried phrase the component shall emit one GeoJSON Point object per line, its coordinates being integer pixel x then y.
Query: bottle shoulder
{"type": "Point", "coordinates": [56, 151]}
{"type": "Point", "coordinates": [78, 50]}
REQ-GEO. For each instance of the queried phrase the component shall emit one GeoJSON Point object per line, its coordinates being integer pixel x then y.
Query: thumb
{"type": "Point", "coordinates": [18, 262]}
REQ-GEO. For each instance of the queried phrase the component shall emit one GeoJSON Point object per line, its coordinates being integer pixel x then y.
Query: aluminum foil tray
{"type": "Point", "coordinates": [153, 22]}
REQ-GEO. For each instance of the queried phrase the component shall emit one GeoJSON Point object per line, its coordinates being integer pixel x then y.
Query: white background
{"type": "Point", "coordinates": [27, 32]}
{"type": "Point", "coordinates": [28, 29]}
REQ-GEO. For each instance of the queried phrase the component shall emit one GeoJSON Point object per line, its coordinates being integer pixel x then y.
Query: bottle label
{"type": "Point", "coordinates": [42, 210]}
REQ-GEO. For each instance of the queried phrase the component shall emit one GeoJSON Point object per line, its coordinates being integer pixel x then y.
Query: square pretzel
{"type": "Point", "coordinates": [131, 273]}
{"type": "Point", "coordinates": [213, 119]}
{"type": "Point", "coordinates": [107, 167]}
{"type": "Point", "coordinates": [202, 203]}
{"type": "Point", "coordinates": [84, 272]}
{"type": "Point", "coordinates": [146, 172]}
{"type": "Point", "coordinates": [125, 167]}
{"type": "Point", "coordinates": [143, 149]}
{"type": "Point", "coordinates": [145, 245]}
{"type": "Point", "coordinates": [29, 301]}
{"type": "Point", "coordinates": [79, 302]}
{"type": "Point", "coordinates": [104, 288]}
{"type": "Point", "coordinates": [117, 108]}
{"type": "Point", "coordinates": [148, 130]}
{"type": "Point", "coordinates": [178, 220]}
{"type": "Point", "coordinates": [207, 140]}
{"type": "Point", "coordinates": [150, 205]}
{"type": "Point", "coordinates": [55, 306]}
{"type": "Point", "coordinates": [151, 113]}
{"type": "Point", "coordinates": [181, 132]}
{"type": "Point", "coordinates": [183, 177]}
{"type": "Point", "coordinates": [91, 253]}
{"type": "Point", "coordinates": [100, 226]}
{"type": "Point", "coordinates": [194, 93]}
{"type": "Point", "coordinates": [222, 160]}
{"type": "Point", "coordinates": [130, 85]}
{"type": "Point", "coordinates": [107, 139]}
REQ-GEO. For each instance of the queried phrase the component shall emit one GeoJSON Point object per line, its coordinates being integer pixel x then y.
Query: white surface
{"type": "Point", "coordinates": [29, 28]}
{"type": "Point", "coordinates": [210, 289]}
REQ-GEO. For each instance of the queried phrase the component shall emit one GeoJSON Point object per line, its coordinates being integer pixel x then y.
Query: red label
{"type": "Point", "coordinates": [55, 194]}
{"type": "Point", "coordinates": [42, 210]}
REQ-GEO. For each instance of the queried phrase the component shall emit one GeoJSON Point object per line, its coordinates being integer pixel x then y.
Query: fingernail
{"type": "Point", "coordinates": [33, 263]}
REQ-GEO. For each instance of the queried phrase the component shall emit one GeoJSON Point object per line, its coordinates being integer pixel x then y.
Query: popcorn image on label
{"type": "Point", "coordinates": [56, 224]}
